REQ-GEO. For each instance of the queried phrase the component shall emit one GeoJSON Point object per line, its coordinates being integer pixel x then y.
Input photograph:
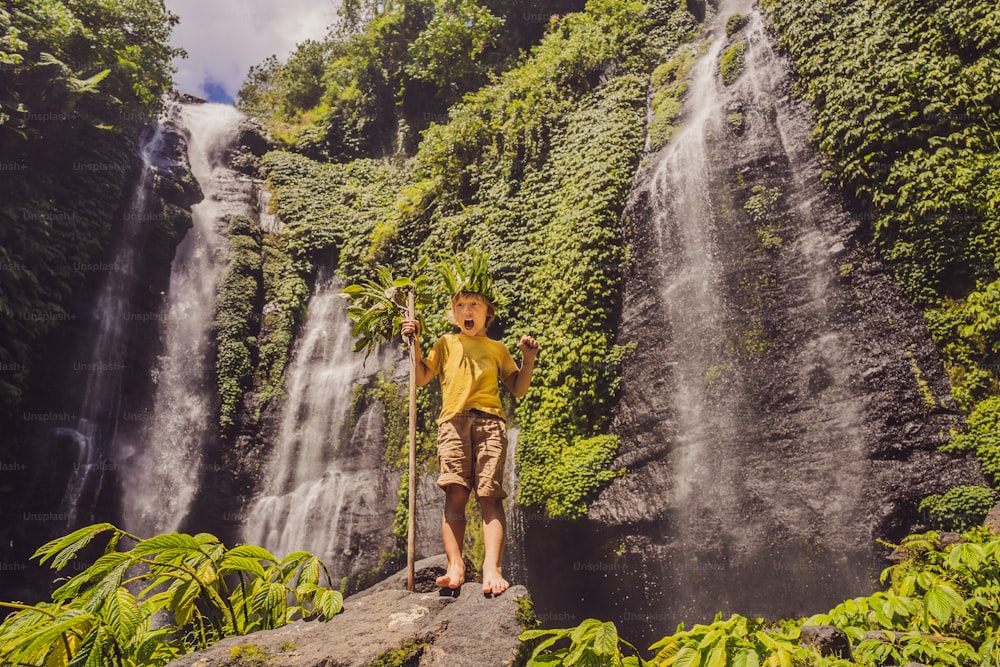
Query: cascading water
{"type": "Point", "coordinates": [162, 464]}
{"type": "Point", "coordinates": [761, 461]}
{"type": "Point", "coordinates": [327, 488]}
{"type": "Point", "coordinates": [98, 367]}
{"type": "Point", "coordinates": [748, 518]}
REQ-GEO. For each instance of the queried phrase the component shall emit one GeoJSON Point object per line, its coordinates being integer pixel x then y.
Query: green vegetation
{"type": "Point", "coordinates": [940, 608]}
{"type": "Point", "coordinates": [329, 210]}
{"type": "Point", "coordinates": [736, 123]}
{"type": "Point", "coordinates": [392, 69]}
{"type": "Point", "coordinates": [247, 655]}
{"type": "Point", "coordinates": [669, 85]}
{"type": "Point", "coordinates": [236, 323]}
{"type": "Point", "coordinates": [982, 436]}
{"type": "Point", "coordinates": [924, 389]}
{"type": "Point", "coordinates": [77, 81]}
{"type": "Point", "coordinates": [407, 655]}
{"type": "Point", "coordinates": [735, 23]}
{"type": "Point", "coordinates": [959, 509]}
{"type": "Point", "coordinates": [590, 643]}
{"type": "Point", "coordinates": [731, 63]}
{"type": "Point", "coordinates": [207, 592]}
{"type": "Point", "coordinates": [760, 206]}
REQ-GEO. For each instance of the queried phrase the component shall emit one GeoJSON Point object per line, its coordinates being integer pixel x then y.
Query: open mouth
{"type": "Point", "coordinates": [469, 324]}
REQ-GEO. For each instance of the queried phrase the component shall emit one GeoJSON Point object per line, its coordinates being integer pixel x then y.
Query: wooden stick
{"type": "Point", "coordinates": [411, 528]}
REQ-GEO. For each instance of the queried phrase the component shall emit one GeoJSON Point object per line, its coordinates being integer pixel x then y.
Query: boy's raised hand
{"type": "Point", "coordinates": [529, 347]}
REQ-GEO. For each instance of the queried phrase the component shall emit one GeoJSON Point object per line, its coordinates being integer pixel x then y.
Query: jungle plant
{"type": "Point", "coordinates": [590, 643]}
{"type": "Point", "coordinates": [209, 591]}
{"type": "Point", "coordinates": [960, 508]}
{"type": "Point", "coordinates": [470, 274]}
{"type": "Point", "coordinates": [379, 304]}
{"type": "Point", "coordinates": [941, 606]}
{"type": "Point", "coordinates": [731, 63]}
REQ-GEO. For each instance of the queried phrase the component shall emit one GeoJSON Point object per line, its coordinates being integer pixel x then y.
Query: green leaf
{"type": "Point", "coordinates": [109, 567]}
{"type": "Point", "coordinates": [123, 615]}
{"type": "Point", "coordinates": [606, 640]}
{"type": "Point", "coordinates": [746, 658]}
{"type": "Point", "coordinates": [688, 656]}
{"type": "Point", "coordinates": [63, 549]}
{"type": "Point", "coordinates": [942, 601]}
{"type": "Point", "coordinates": [717, 658]}
{"type": "Point", "coordinates": [330, 603]}
{"type": "Point", "coordinates": [167, 542]}
{"type": "Point", "coordinates": [231, 564]}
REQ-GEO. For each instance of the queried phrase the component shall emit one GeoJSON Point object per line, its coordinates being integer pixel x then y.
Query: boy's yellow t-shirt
{"type": "Point", "coordinates": [471, 368]}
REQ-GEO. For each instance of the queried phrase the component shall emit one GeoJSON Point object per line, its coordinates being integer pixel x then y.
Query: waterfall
{"type": "Point", "coordinates": [761, 461]}
{"type": "Point", "coordinates": [162, 463]}
{"type": "Point", "coordinates": [327, 489]}
{"type": "Point", "coordinates": [99, 364]}
{"type": "Point", "coordinates": [747, 514]}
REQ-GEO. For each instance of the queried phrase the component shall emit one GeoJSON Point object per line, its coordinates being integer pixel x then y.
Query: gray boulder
{"type": "Point", "coordinates": [390, 624]}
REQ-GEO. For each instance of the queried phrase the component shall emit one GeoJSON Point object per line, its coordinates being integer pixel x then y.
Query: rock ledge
{"type": "Point", "coordinates": [425, 628]}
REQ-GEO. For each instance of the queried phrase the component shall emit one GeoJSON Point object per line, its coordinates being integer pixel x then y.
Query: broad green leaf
{"type": "Point", "coordinates": [123, 615]}
{"type": "Point", "coordinates": [231, 564]}
{"type": "Point", "coordinates": [331, 603]}
{"type": "Point", "coordinates": [746, 658]}
{"type": "Point", "coordinates": [251, 551]}
{"type": "Point", "coordinates": [552, 636]}
{"type": "Point", "coordinates": [942, 601]}
{"type": "Point", "coordinates": [63, 549]}
{"type": "Point", "coordinates": [584, 631]}
{"type": "Point", "coordinates": [606, 640]}
{"type": "Point", "coordinates": [167, 542]}
{"type": "Point", "coordinates": [965, 555]}
{"type": "Point", "coordinates": [688, 656]}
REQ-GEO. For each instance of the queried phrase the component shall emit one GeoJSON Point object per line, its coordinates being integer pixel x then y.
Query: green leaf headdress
{"type": "Point", "coordinates": [469, 272]}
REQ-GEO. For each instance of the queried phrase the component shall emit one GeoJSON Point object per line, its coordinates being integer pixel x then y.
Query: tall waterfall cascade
{"type": "Point", "coordinates": [100, 362]}
{"type": "Point", "coordinates": [327, 489]}
{"type": "Point", "coordinates": [162, 464]}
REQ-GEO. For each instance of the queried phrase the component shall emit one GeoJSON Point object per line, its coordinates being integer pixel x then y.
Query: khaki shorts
{"type": "Point", "coordinates": [472, 449]}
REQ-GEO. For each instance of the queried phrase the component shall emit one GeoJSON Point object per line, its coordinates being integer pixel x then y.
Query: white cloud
{"type": "Point", "coordinates": [224, 38]}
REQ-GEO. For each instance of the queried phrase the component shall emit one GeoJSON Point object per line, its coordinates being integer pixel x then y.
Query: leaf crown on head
{"type": "Point", "coordinates": [469, 272]}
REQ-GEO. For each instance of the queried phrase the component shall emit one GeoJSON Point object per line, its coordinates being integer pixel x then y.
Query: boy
{"type": "Point", "coordinates": [472, 429]}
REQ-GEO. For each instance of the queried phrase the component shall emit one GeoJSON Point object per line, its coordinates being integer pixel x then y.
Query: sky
{"type": "Point", "coordinates": [224, 38]}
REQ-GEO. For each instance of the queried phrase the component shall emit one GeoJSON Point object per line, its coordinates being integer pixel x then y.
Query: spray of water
{"type": "Point", "coordinates": [162, 466]}
{"type": "Point", "coordinates": [101, 361]}
{"type": "Point", "coordinates": [316, 496]}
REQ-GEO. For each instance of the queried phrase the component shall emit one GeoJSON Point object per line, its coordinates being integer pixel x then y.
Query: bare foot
{"type": "Point", "coordinates": [493, 581]}
{"type": "Point", "coordinates": [453, 578]}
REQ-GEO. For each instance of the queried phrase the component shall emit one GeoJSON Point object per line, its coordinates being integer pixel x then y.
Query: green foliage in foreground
{"type": "Point", "coordinates": [210, 592]}
{"type": "Point", "coordinates": [941, 607]}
